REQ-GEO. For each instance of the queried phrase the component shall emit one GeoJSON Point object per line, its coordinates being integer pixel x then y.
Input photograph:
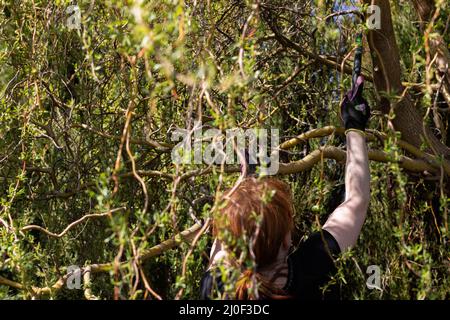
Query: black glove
{"type": "Point", "coordinates": [355, 111]}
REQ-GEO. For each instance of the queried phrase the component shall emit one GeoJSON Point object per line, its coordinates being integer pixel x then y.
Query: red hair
{"type": "Point", "coordinates": [261, 210]}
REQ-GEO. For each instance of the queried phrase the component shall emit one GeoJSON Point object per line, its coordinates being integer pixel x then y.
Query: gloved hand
{"type": "Point", "coordinates": [355, 111]}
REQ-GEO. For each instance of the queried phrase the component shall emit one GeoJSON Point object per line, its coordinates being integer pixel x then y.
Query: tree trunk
{"type": "Point", "coordinates": [387, 81]}
{"type": "Point", "coordinates": [425, 10]}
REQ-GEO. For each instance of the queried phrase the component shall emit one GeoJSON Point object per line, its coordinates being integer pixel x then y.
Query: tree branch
{"type": "Point", "coordinates": [185, 236]}
{"type": "Point", "coordinates": [160, 146]}
{"type": "Point", "coordinates": [70, 226]}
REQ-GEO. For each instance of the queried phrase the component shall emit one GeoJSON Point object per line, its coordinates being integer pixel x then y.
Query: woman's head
{"type": "Point", "coordinates": [261, 211]}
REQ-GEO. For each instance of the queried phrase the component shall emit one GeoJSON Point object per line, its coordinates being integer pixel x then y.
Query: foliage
{"type": "Point", "coordinates": [68, 96]}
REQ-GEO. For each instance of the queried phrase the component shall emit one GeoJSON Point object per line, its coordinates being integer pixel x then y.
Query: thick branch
{"type": "Point", "coordinates": [340, 155]}
{"type": "Point", "coordinates": [372, 135]}
{"type": "Point", "coordinates": [387, 80]}
{"type": "Point", "coordinates": [425, 10]}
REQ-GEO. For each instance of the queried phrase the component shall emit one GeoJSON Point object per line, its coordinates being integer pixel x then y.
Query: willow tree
{"type": "Point", "coordinates": [92, 92]}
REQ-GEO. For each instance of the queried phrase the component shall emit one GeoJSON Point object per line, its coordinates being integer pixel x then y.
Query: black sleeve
{"type": "Point", "coordinates": [208, 283]}
{"type": "Point", "coordinates": [311, 267]}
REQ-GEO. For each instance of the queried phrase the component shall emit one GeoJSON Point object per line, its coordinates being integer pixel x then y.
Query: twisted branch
{"type": "Point", "coordinates": [372, 135]}
{"type": "Point", "coordinates": [70, 226]}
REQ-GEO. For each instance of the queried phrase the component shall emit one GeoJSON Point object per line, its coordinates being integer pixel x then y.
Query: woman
{"type": "Point", "coordinates": [256, 221]}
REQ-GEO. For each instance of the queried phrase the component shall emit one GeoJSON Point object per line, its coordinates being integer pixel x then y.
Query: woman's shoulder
{"type": "Point", "coordinates": [318, 243]}
{"type": "Point", "coordinates": [311, 265]}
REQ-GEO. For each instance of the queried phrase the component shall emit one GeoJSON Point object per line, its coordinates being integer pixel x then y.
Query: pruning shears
{"type": "Point", "coordinates": [358, 61]}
